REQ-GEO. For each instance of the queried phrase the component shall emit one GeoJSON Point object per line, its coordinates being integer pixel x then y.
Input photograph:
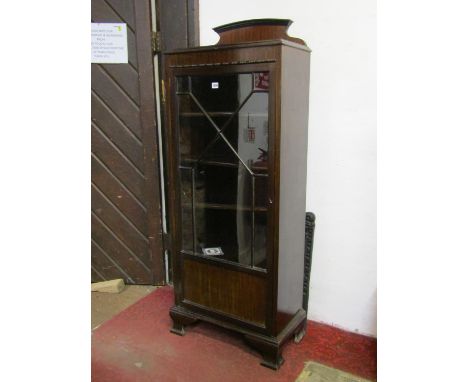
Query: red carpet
{"type": "Point", "coordinates": [136, 346]}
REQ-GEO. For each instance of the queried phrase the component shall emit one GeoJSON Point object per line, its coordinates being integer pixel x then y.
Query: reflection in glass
{"type": "Point", "coordinates": [223, 163]}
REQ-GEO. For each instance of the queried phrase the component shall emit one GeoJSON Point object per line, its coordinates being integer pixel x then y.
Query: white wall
{"type": "Point", "coordinates": [341, 181]}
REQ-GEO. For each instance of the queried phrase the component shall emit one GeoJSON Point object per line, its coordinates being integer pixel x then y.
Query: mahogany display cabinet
{"type": "Point", "coordinates": [237, 117]}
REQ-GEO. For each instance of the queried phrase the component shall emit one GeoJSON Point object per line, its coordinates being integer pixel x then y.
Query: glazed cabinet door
{"type": "Point", "coordinates": [222, 120]}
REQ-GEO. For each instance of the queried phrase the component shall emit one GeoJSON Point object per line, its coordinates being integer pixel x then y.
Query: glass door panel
{"type": "Point", "coordinates": [223, 165]}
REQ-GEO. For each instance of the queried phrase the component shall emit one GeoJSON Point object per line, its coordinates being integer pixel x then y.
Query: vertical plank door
{"type": "Point", "coordinates": [126, 236]}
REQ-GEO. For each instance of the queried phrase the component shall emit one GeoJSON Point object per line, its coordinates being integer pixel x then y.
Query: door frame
{"type": "Point", "coordinates": [170, 35]}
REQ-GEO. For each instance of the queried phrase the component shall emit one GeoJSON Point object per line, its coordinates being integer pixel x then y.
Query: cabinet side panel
{"type": "Point", "coordinates": [293, 170]}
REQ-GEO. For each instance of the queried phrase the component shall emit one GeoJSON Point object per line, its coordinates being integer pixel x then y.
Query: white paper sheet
{"type": "Point", "coordinates": [109, 43]}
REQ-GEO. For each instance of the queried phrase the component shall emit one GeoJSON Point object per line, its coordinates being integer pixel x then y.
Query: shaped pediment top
{"type": "Point", "coordinates": [255, 30]}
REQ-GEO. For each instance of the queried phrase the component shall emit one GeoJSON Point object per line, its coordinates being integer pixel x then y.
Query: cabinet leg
{"type": "Point", "coordinates": [300, 332]}
{"type": "Point", "coordinates": [271, 352]}
{"type": "Point", "coordinates": [178, 328]}
{"type": "Point", "coordinates": [180, 320]}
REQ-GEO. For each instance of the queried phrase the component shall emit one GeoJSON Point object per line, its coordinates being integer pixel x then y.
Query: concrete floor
{"type": "Point", "coordinates": [106, 305]}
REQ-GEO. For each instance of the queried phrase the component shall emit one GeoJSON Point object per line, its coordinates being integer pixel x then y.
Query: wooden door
{"type": "Point", "coordinates": [126, 232]}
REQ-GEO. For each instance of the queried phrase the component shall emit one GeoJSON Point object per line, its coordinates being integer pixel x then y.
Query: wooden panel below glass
{"type": "Point", "coordinates": [236, 293]}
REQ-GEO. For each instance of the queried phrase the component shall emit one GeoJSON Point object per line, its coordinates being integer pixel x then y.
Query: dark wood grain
{"type": "Point", "coordinates": [125, 10]}
{"type": "Point", "coordinates": [119, 195]}
{"type": "Point", "coordinates": [120, 225]}
{"type": "Point", "coordinates": [125, 158]}
{"type": "Point", "coordinates": [116, 99]}
{"type": "Point", "coordinates": [106, 266]}
{"type": "Point", "coordinates": [149, 134]}
{"type": "Point", "coordinates": [173, 24]}
{"type": "Point", "coordinates": [96, 276]}
{"type": "Point", "coordinates": [101, 12]}
{"type": "Point", "coordinates": [226, 291]}
{"type": "Point", "coordinates": [121, 167]}
{"type": "Point", "coordinates": [209, 289]}
{"type": "Point", "coordinates": [127, 78]}
{"type": "Point", "coordinates": [193, 23]}
{"type": "Point", "coordinates": [272, 55]}
{"type": "Point", "coordinates": [117, 132]}
{"type": "Point", "coordinates": [126, 213]}
{"type": "Point", "coordinates": [172, 36]}
{"type": "Point", "coordinates": [137, 271]}
{"type": "Point", "coordinates": [255, 30]}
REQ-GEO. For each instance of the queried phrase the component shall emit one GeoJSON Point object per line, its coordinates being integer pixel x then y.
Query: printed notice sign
{"type": "Point", "coordinates": [109, 43]}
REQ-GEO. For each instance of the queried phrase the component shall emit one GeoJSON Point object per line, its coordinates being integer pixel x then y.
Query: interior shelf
{"type": "Point", "coordinates": [232, 207]}
{"type": "Point", "coordinates": [210, 162]}
{"type": "Point", "coordinates": [188, 114]}
{"type": "Point", "coordinates": [222, 164]}
{"type": "Point", "coordinates": [211, 114]}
